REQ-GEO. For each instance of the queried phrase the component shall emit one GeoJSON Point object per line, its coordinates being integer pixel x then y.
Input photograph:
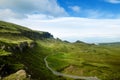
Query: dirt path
{"type": "Point", "coordinates": [67, 75]}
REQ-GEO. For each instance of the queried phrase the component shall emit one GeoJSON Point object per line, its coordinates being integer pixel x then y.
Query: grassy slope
{"type": "Point", "coordinates": [30, 59]}
{"type": "Point", "coordinates": [11, 33]}
{"type": "Point", "coordinates": [85, 60]}
{"type": "Point", "coordinates": [33, 60]}
{"type": "Point", "coordinates": [72, 58]}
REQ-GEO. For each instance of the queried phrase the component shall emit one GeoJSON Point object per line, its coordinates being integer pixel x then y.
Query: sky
{"type": "Point", "coordinates": [92, 21]}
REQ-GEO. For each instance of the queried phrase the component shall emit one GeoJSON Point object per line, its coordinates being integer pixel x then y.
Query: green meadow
{"type": "Point", "coordinates": [25, 49]}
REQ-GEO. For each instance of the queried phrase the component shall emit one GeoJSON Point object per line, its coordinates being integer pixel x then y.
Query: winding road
{"type": "Point", "coordinates": [67, 75]}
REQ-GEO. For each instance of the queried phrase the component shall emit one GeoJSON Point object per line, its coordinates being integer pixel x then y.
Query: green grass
{"type": "Point", "coordinates": [90, 60]}
{"type": "Point", "coordinates": [10, 27]}
{"type": "Point", "coordinates": [33, 59]}
{"type": "Point", "coordinates": [30, 59]}
{"type": "Point", "coordinates": [11, 33]}
{"type": "Point", "coordinates": [4, 53]}
{"type": "Point", "coordinates": [77, 58]}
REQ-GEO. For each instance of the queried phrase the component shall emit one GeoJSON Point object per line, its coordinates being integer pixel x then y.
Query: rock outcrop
{"type": "Point", "coordinates": [16, 47]}
{"type": "Point", "coordinates": [19, 75]}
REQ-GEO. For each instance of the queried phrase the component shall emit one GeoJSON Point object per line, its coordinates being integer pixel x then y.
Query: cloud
{"type": "Point", "coordinates": [88, 13]}
{"type": "Point", "coordinates": [98, 14]}
{"type": "Point", "coordinates": [79, 11]}
{"type": "Point", "coordinates": [24, 7]}
{"type": "Point", "coordinates": [113, 1]}
{"type": "Point", "coordinates": [45, 15]}
{"type": "Point", "coordinates": [93, 13]}
{"type": "Point", "coordinates": [8, 14]}
{"type": "Point", "coordinates": [72, 28]}
{"type": "Point", "coordinates": [75, 8]}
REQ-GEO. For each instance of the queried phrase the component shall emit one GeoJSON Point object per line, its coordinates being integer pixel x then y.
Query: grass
{"type": "Point", "coordinates": [11, 33]}
{"type": "Point", "coordinates": [90, 60]}
{"type": "Point", "coordinates": [33, 59]}
{"type": "Point", "coordinates": [77, 58]}
{"type": "Point", "coordinates": [10, 27]}
{"type": "Point", "coordinates": [4, 53]}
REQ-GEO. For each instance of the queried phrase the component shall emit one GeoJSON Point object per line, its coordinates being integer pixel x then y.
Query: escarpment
{"type": "Point", "coordinates": [15, 42]}
{"type": "Point", "coordinates": [12, 47]}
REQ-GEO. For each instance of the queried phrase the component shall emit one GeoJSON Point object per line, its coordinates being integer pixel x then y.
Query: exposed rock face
{"type": "Point", "coordinates": [23, 45]}
{"type": "Point", "coordinates": [36, 35]}
{"type": "Point", "coordinates": [2, 47]}
{"type": "Point", "coordinates": [32, 44]}
{"type": "Point", "coordinates": [17, 47]}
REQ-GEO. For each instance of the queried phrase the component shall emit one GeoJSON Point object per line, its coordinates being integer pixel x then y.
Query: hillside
{"type": "Point", "coordinates": [25, 54]}
{"type": "Point", "coordinates": [19, 50]}
{"type": "Point", "coordinates": [20, 32]}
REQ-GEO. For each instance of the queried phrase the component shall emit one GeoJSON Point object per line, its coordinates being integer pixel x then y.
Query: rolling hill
{"type": "Point", "coordinates": [23, 53]}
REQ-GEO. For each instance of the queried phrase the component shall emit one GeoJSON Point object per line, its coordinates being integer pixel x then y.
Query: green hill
{"type": "Point", "coordinates": [23, 51]}
{"type": "Point", "coordinates": [19, 49]}
{"type": "Point", "coordinates": [15, 33]}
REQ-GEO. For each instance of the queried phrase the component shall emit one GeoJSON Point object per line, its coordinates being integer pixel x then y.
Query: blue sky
{"type": "Point", "coordinates": [86, 20]}
{"type": "Point", "coordinates": [103, 7]}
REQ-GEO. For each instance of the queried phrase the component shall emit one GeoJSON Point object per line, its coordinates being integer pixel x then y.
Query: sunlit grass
{"type": "Point", "coordinates": [93, 60]}
{"type": "Point", "coordinates": [4, 53]}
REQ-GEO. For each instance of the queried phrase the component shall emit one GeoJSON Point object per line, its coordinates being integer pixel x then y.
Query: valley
{"type": "Point", "coordinates": [37, 55]}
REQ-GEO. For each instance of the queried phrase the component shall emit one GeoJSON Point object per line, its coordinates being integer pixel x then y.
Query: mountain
{"type": "Point", "coordinates": [27, 54]}
{"type": "Point", "coordinates": [111, 44]}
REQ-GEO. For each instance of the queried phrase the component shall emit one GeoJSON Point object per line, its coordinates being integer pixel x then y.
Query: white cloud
{"type": "Point", "coordinates": [23, 7]}
{"type": "Point", "coordinates": [7, 14]}
{"type": "Point", "coordinates": [113, 1]}
{"type": "Point", "coordinates": [40, 17]}
{"type": "Point", "coordinates": [72, 28]}
{"type": "Point", "coordinates": [43, 15]}
{"type": "Point", "coordinates": [75, 8]}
